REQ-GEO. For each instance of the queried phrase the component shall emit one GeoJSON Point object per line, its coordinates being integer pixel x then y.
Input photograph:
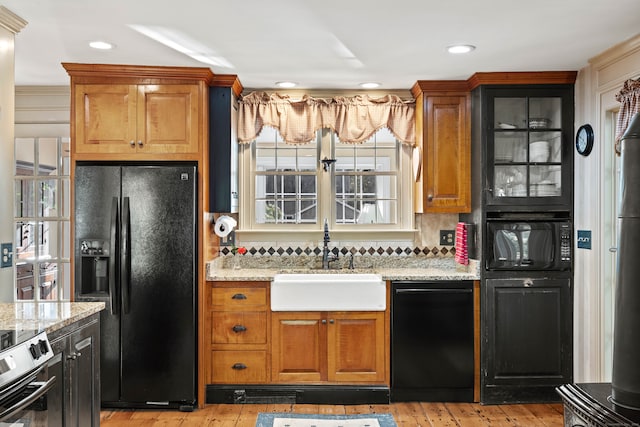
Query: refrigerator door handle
{"type": "Point", "coordinates": [125, 256]}
{"type": "Point", "coordinates": [113, 242]}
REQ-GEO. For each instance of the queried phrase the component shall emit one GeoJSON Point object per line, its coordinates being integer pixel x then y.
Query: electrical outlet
{"type": "Point", "coordinates": [6, 254]}
{"type": "Point", "coordinates": [447, 237]}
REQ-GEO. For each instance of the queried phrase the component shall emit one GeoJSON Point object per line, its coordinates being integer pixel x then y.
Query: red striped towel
{"type": "Point", "coordinates": [462, 256]}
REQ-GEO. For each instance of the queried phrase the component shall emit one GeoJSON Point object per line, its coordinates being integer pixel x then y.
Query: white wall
{"type": "Point", "coordinates": [10, 24]}
{"type": "Point", "coordinates": [595, 200]}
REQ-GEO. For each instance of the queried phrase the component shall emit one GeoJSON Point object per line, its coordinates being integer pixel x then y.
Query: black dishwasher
{"type": "Point", "coordinates": [432, 341]}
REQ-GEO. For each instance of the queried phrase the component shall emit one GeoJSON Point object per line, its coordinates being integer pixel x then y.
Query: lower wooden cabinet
{"type": "Point", "coordinates": [75, 398]}
{"type": "Point", "coordinates": [250, 344]}
{"type": "Point", "coordinates": [238, 330]}
{"type": "Point", "coordinates": [347, 347]}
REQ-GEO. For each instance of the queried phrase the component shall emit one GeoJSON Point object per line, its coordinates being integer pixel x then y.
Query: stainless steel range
{"type": "Point", "coordinates": [23, 379]}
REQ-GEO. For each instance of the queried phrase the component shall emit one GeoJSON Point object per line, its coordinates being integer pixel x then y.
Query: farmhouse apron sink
{"type": "Point", "coordinates": [328, 292]}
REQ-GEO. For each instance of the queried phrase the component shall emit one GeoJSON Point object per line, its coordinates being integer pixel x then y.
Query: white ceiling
{"type": "Point", "coordinates": [328, 44]}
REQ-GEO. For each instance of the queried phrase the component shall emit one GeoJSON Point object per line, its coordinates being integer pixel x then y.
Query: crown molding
{"type": "Point", "coordinates": [11, 21]}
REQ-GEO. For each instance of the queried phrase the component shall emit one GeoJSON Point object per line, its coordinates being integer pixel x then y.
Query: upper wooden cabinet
{"type": "Point", "coordinates": [134, 112]}
{"type": "Point", "coordinates": [443, 133]}
{"type": "Point", "coordinates": [136, 119]}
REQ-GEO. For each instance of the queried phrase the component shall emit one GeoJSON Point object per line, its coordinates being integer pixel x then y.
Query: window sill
{"type": "Point", "coordinates": [369, 235]}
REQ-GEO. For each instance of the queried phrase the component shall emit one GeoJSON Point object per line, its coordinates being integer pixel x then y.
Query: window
{"type": "Point", "coordinates": [41, 219]}
{"type": "Point", "coordinates": [284, 184]}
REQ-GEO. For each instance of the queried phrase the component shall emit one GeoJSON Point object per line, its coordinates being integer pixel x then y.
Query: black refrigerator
{"type": "Point", "coordinates": [135, 249]}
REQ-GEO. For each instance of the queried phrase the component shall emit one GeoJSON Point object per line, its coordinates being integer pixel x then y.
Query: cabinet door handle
{"type": "Point", "coordinates": [132, 143]}
{"type": "Point", "coordinates": [430, 198]}
{"type": "Point", "coordinates": [239, 296]}
{"type": "Point", "coordinates": [239, 366]}
{"type": "Point", "coordinates": [74, 356]}
{"type": "Point", "coordinates": [324, 321]}
{"type": "Point", "coordinates": [239, 328]}
{"type": "Point", "coordinates": [140, 143]}
{"type": "Point", "coordinates": [332, 321]}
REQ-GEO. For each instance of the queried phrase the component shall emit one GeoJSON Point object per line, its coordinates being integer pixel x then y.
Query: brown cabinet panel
{"type": "Point", "coordinates": [105, 118]}
{"type": "Point", "coordinates": [238, 298]}
{"type": "Point", "coordinates": [168, 119]}
{"type": "Point", "coordinates": [356, 347]}
{"type": "Point", "coordinates": [239, 327]}
{"type": "Point", "coordinates": [238, 367]}
{"type": "Point", "coordinates": [443, 130]}
{"type": "Point", "coordinates": [298, 347]}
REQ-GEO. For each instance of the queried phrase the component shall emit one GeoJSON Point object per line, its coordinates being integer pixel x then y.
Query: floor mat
{"type": "Point", "coordinates": [286, 419]}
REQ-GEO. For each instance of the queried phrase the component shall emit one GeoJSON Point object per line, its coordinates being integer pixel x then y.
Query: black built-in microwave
{"type": "Point", "coordinates": [528, 244]}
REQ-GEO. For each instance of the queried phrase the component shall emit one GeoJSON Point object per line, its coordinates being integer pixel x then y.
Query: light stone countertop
{"type": "Point", "coordinates": [221, 269]}
{"type": "Point", "coordinates": [45, 316]}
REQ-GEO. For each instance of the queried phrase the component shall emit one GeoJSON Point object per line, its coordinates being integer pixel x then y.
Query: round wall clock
{"type": "Point", "coordinates": [584, 139]}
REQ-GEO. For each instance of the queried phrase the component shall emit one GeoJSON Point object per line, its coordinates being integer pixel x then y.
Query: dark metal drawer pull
{"type": "Point", "coordinates": [239, 296]}
{"type": "Point", "coordinates": [239, 328]}
{"type": "Point", "coordinates": [239, 366]}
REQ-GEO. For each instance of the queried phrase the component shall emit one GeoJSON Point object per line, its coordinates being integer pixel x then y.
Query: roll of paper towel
{"type": "Point", "coordinates": [224, 226]}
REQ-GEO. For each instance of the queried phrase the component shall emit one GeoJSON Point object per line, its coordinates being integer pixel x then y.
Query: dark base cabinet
{"type": "Point", "coordinates": [527, 343]}
{"type": "Point", "coordinates": [75, 398]}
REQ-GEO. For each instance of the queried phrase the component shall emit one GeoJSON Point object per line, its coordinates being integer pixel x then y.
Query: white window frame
{"type": "Point", "coordinates": [251, 231]}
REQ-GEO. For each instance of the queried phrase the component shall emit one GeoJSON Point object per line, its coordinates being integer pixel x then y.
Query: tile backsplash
{"type": "Point", "coordinates": [425, 244]}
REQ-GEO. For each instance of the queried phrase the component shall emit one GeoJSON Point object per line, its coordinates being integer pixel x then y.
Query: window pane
{"type": "Point", "coordinates": [65, 198]}
{"type": "Point", "coordinates": [48, 156]}
{"type": "Point", "coordinates": [24, 204]}
{"type": "Point", "coordinates": [65, 241]}
{"type": "Point", "coordinates": [47, 193]}
{"type": "Point", "coordinates": [64, 281]}
{"type": "Point", "coordinates": [286, 199]}
{"type": "Point", "coordinates": [25, 281]}
{"type": "Point", "coordinates": [66, 161]}
{"type": "Point", "coordinates": [25, 156]}
{"type": "Point", "coordinates": [48, 283]}
{"type": "Point", "coordinates": [25, 234]}
{"type": "Point", "coordinates": [48, 247]}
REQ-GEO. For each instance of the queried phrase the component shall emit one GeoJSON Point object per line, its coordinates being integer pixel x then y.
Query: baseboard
{"type": "Point", "coordinates": [319, 395]}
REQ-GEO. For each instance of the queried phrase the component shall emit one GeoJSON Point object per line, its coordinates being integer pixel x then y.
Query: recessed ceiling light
{"type": "Point", "coordinates": [460, 48]}
{"type": "Point", "coordinates": [369, 85]}
{"type": "Point", "coordinates": [101, 45]}
{"type": "Point", "coordinates": [286, 85]}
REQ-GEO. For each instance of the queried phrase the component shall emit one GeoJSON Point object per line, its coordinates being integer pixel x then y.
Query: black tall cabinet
{"type": "Point", "coordinates": [522, 164]}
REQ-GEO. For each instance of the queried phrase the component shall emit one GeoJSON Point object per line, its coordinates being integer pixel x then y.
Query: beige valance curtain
{"type": "Point", "coordinates": [354, 119]}
{"type": "Point", "coordinates": [629, 97]}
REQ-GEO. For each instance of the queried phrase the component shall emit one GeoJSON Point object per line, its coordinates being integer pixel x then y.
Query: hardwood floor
{"type": "Point", "coordinates": [410, 414]}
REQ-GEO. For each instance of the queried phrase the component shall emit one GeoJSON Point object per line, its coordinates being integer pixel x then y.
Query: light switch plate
{"type": "Point", "coordinates": [447, 237]}
{"type": "Point", "coordinates": [6, 255]}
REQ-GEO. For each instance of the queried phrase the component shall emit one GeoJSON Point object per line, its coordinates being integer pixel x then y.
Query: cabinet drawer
{"type": "Point", "coordinates": [239, 367]}
{"type": "Point", "coordinates": [239, 327]}
{"type": "Point", "coordinates": [235, 299]}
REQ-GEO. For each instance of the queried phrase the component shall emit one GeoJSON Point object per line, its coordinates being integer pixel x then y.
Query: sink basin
{"type": "Point", "coordinates": [328, 292]}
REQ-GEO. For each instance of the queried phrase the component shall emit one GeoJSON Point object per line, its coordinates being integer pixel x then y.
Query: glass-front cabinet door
{"type": "Point", "coordinates": [528, 139]}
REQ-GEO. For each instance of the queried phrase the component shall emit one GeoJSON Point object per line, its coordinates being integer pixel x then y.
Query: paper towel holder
{"type": "Point", "coordinates": [224, 228]}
